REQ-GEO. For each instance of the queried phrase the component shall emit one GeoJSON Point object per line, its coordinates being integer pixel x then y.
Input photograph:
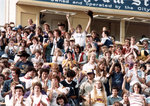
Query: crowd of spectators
{"type": "Point", "coordinates": [44, 67]}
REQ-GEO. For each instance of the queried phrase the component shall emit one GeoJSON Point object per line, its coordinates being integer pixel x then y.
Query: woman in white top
{"type": "Point", "coordinates": [11, 49]}
{"type": "Point", "coordinates": [35, 46]}
{"type": "Point", "coordinates": [57, 58]}
{"type": "Point", "coordinates": [101, 71]}
{"type": "Point", "coordinates": [79, 36]}
{"type": "Point", "coordinates": [91, 64]}
{"type": "Point", "coordinates": [98, 95]}
{"type": "Point", "coordinates": [36, 98]}
{"type": "Point", "coordinates": [125, 100]}
{"type": "Point", "coordinates": [55, 90]}
{"type": "Point", "coordinates": [135, 98]}
{"type": "Point", "coordinates": [17, 96]}
{"type": "Point", "coordinates": [38, 57]}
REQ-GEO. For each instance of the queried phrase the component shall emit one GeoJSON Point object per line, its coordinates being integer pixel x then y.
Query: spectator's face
{"type": "Point", "coordinates": [72, 43]}
{"type": "Point", "coordinates": [69, 55]}
{"type": "Point", "coordinates": [14, 32]}
{"type": "Point", "coordinates": [36, 89]}
{"type": "Point", "coordinates": [67, 36]}
{"type": "Point", "coordinates": [127, 43]}
{"type": "Point", "coordinates": [108, 54]}
{"type": "Point", "coordinates": [119, 50]}
{"type": "Point", "coordinates": [135, 65]}
{"type": "Point", "coordinates": [103, 34]}
{"type": "Point", "coordinates": [18, 37]}
{"type": "Point", "coordinates": [114, 92]}
{"type": "Point", "coordinates": [132, 41]}
{"type": "Point", "coordinates": [34, 41]}
{"type": "Point", "coordinates": [37, 30]}
{"type": "Point", "coordinates": [23, 44]}
{"type": "Point", "coordinates": [117, 69]}
{"type": "Point", "coordinates": [25, 34]}
{"type": "Point", "coordinates": [19, 92]}
{"type": "Point", "coordinates": [98, 85]}
{"type": "Point", "coordinates": [136, 89]}
{"type": "Point", "coordinates": [11, 43]}
{"type": "Point", "coordinates": [69, 79]}
{"type": "Point", "coordinates": [116, 104]}
{"type": "Point", "coordinates": [6, 75]}
{"type": "Point", "coordinates": [61, 28]}
{"type": "Point", "coordinates": [145, 44]}
{"type": "Point", "coordinates": [94, 35]}
{"type": "Point", "coordinates": [65, 72]}
{"type": "Point", "coordinates": [44, 75]}
{"type": "Point", "coordinates": [90, 76]}
{"type": "Point", "coordinates": [79, 30]}
{"type": "Point", "coordinates": [22, 58]}
{"type": "Point", "coordinates": [31, 73]}
{"type": "Point", "coordinates": [77, 50]}
{"type": "Point", "coordinates": [55, 34]}
{"type": "Point", "coordinates": [50, 35]}
{"type": "Point", "coordinates": [46, 27]}
{"type": "Point", "coordinates": [37, 54]}
{"type": "Point", "coordinates": [93, 58]}
{"type": "Point", "coordinates": [29, 21]}
{"type": "Point", "coordinates": [8, 29]}
{"type": "Point", "coordinates": [125, 97]}
{"type": "Point", "coordinates": [1, 80]}
{"type": "Point", "coordinates": [55, 81]}
{"type": "Point", "coordinates": [61, 102]}
{"type": "Point", "coordinates": [102, 66]}
{"type": "Point", "coordinates": [14, 75]}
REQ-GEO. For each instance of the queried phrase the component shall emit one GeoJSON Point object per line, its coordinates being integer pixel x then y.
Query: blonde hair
{"type": "Point", "coordinates": [59, 51]}
{"type": "Point", "coordinates": [6, 70]}
{"type": "Point", "coordinates": [103, 94]}
{"type": "Point", "coordinates": [89, 56]}
{"type": "Point", "coordinates": [98, 70]}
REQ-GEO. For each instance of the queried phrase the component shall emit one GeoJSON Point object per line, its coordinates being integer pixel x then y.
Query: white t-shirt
{"type": "Point", "coordinates": [135, 47]}
{"type": "Point", "coordinates": [80, 38]}
{"type": "Point", "coordinates": [36, 100]}
{"type": "Point", "coordinates": [11, 50]}
{"type": "Point", "coordinates": [37, 47]}
{"type": "Point", "coordinates": [64, 90]}
{"type": "Point", "coordinates": [9, 102]}
{"type": "Point", "coordinates": [59, 59]}
{"type": "Point", "coordinates": [88, 67]}
{"type": "Point", "coordinates": [28, 82]}
{"type": "Point", "coordinates": [134, 79]}
{"type": "Point", "coordinates": [37, 60]}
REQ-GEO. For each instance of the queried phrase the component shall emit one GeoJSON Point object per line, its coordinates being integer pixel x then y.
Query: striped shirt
{"type": "Point", "coordinates": [136, 99]}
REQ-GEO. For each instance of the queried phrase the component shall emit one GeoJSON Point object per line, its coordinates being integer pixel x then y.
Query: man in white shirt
{"type": "Point", "coordinates": [79, 36]}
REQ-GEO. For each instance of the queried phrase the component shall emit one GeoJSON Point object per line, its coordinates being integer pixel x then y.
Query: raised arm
{"type": "Point", "coordinates": [122, 66]}
{"type": "Point", "coordinates": [68, 20]}
{"type": "Point", "coordinates": [124, 84]}
{"type": "Point", "coordinates": [112, 67]}
{"type": "Point", "coordinates": [88, 25]}
{"type": "Point", "coordinates": [90, 14]}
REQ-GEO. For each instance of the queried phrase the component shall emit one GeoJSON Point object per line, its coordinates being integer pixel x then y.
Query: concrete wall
{"type": "Point", "coordinates": [113, 26]}
{"type": "Point", "coordinates": [25, 12]}
{"type": "Point", "coordinates": [137, 29]}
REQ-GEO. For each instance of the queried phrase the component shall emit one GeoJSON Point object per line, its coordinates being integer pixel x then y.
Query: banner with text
{"type": "Point", "coordinates": [131, 5]}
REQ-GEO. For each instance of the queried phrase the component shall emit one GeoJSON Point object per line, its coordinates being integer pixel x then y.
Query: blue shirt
{"type": "Point", "coordinates": [111, 99]}
{"type": "Point", "coordinates": [7, 85]}
{"type": "Point", "coordinates": [117, 79]}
